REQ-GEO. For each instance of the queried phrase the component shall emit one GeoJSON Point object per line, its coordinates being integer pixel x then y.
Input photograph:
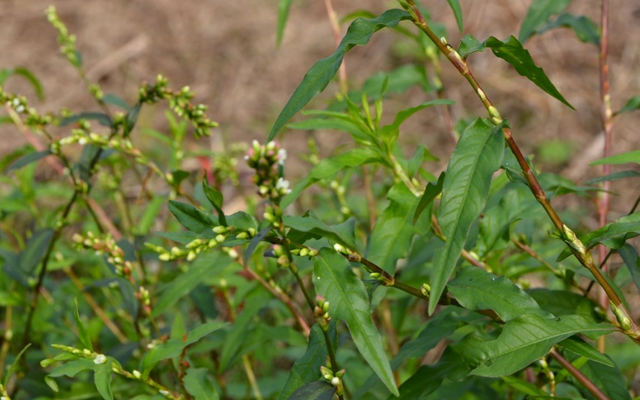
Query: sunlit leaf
{"type": "Point", "coordinates": [192, 218]}
{"type": "Point", "coordinates": [465, 190]}
{"type": "Point", "coordinates": [319, 76]}
{"type": "Point", "coordinates": [632, 105]}
{"type": "Point", "coordinates": [623, 158]}
{"type": "Point", "coordinates": [457, 11]}
{"type": "Point", "coordinates": [334, 279]}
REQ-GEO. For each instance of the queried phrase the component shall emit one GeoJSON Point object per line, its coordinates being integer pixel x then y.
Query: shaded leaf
{"type": "Point", "coordinates": [14, 365]}
{"type": "Point", "coordinates": [523, 340]}
{"type": "Point", "coordinates": [115, 100]}
{"type": "Point", "coordinates": [191, 218]}
{"type": "Point", "coordinates": [430, 193]}
{"type": "Point", "coordinates": [631, 260]}
{"type": "Point", "coordinates": [72, 368]}
{"type": "Point", "coordinates": [198, 385]}
{"type": "Point", "coordinates": [28, 75]}
{"type": "Point", "coordinates": [389, 133]}
{"type": "Point", "coordinates": [319, 76]}
{"type": "Point", "coordinates": [343, 233]}
{"type": "Point", "coordinates": [582, 26]}
{"type": "Point", "coordinates": [237, 334]}
{"type": "Point", "coordinates": [318, 390]}
{"type": "Point", "coordinates": [27, 159]}
{"type": "Point", "coordinates": [563, 302]}
{"type": "Point", "coordinates": [132, 118]}
{"type": "Point", "coordinates": [523, 386]}
{"type": "Point", "coordinates": [469, 45]}
{"type": "Point", "coordinates": [216, 199]}
{"type": "Point", "coordinates": [35, 249]}
{"type": "Point", "coordinates": [253, 244]}
{"type": "Point", "coordinates": [102, 380]}
{"type": "Point", "coordinates": [538, 15]}
{"type": "Point", "coordinates": [477, 289]}
{"type": "Point", "coordinates": [612, 177]}
{"type": "Point", "coordinates": [476, 157]}
{"type": "Point", "coordinates": [83, 335]}
{"type": "Point", "coordinates": [174, 346]}
{"type": "Point", "coordinates": [391, 236]}
{"type": "Point", "coordinates": [102, 118]}
{"type": "Point", "coordinates": [306, 369]}
{"type": "Point", "coordinates": [608, 379]}
{"type": "Point", "coordinates": [334, 279]}
{"type": "Point", "coordinates": [582, 348]}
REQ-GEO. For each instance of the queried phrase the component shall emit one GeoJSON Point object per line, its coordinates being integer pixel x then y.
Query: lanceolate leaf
{"type": "Point", "coordinates": [389, 133]}
{"type": "Point", "coordinates": [319, 76]}
{"type": "Point", "coordinates": [608, 379]}
{"type": "Point", "coordinates": [391, 236]}
{"type": "Point", "coordinates": [631, 260]}
{"type": "Point", "coordinates": [612, 177]}
{"type": "Point", "coordinates": [430, 193]}
{"type": "Point", "coordinates": [283, 15]}
{"type": "Point", "coordinates": [306, 368]}
{"type": "Point", "coordinates": [582, 348]}
{"type": "Point", "coordinates": [477, 289]}
{"type": "Point", "coordinates": [83, 334]}
{"type": "Point", "coordinates": [334, 279]}
{"type": "Point", "coordinates": [190, 217]}
{"type": "Point", "coordinates": [343, 233]}
{"type": "Point", "coordinates": [523, 340]}
{"type": "Point", "coordinates": [102, 380]}
{"type": "Point", "coordinates": [582, 26]}
{"type": "Point", "coordinates": [457, 11]}
{"type": "Point", "coordinates": [623, 158]}
{"type": "Point", "coordinates": [198, 384]}
{"type": "Point", "coordinates": [539, 13]}
{"type": "Point", "coordinates": [465, 189]}
{"type": "Point", "coordinates": [512, 52]}
{"type": "Point", "coordinates": [318, 390]}
{"type": "Point", "coordinates": [632, 105]}
{"type": "Point", "coordinates": [27, 159]}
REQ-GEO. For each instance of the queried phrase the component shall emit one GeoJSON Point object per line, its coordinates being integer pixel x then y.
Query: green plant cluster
{"type": "Point", "coordinates": [124, 276]}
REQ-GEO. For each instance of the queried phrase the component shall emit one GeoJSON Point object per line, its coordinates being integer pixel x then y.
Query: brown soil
{"type": "Point", "coordinates": [225, 51]}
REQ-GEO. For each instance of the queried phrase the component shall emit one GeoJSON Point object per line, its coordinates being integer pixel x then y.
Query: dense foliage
{"type": "Point", "coordinates": [126, 276]}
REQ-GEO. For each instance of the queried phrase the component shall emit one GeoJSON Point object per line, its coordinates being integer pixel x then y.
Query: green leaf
{"type": "Point", "coordinates": [253, 244]}
{"type": "Point", "coordinates": [27, 159]}
{"type": "Point", "coordinates": [72, 368]}
{"type": "Point", "coordinates": [430, 193]}
{"type": "Point", "coordinates": [102, 380]}
{"type": "Point", "coordinates": [623, 158]}
{"type": "Point", "coordinates": [14, 365]}
{"type": "Point", "coordinates": [457, 11]}
{"type": "Point", "coordinates": [523, 340]}
{"type": "Point", "coordinates": [348, 301]}
{"type": "Point", "coordinates": [613, 235]}
{"type": "Point", "coordinates": [523, 386]}
{"type": "Point", "coordinates": [191, 218]}
{"type": "Point", "coordinates": [174, 346]}
{"type": "Point", "coordinates": [305, 369]}
{"type": "Point", "coordinates": [583, 27]}
{"type": "Point", "coordinates": [469, 45]}
{"type": "Point", "coordinates": [476, 157]}
{"type": "Point", "coordinates": [476, 289]}
{"type": "Point", "coordinates": [28, 75]}
{"type": "Point", "coordinates": [343, 233]}
{"type": "Point", "coordinates": [83, 335]}
{"type": "Point", "coordinates": [608, 379]}
{"type": "Point", "coordinates": [512, 52]}
{"type": "Point", "coordinates": [612, 177]}
{"type": "Point", "coordinates": [132, 118]}
{"type": "Point", "coordinates": [328, 167]}
{"type": "Point", "coordinates": [53, 385]}
{"type": "Point", "coordinates": [391, 236]}
{"type": "Point", "coordinates": [115, 100]}
{"type": "Point", "coordinates": [539, 13]}
{"type": "Point", "coordinates": [582, 348]}
{"type": "Point", "coordinates": [150, 215]}
{"type": "Point", "coordinates": [200, 270]}
{"type": "Point", "coordinates": [102, 118]}
{"type": "Point", "coordinates": [631, 260]}
{"type": "Point", "coordinates": [283, 15]}
{"type": "Point", "coordinates": [198, 384]}
{"type": "Point", "coordinates": [35, 249]}
{"type": "Point", "coordinates": [216, 199]}
{"type": "Point", "coordinates": [632, 105]}
{"type": "Point", "coordinates": [563, 302]}
{"type": "Point", "coordinates": [237, 334]}
{"type": "Point", "coordinates": [319, 76]}
{"type": "Point", "coordinates": [389, 133]}
{"type": "Point", "coordinates": [318, 390]}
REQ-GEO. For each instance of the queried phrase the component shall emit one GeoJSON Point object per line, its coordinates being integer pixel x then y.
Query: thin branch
{"type": "Point", "coordinates": [575, 372]}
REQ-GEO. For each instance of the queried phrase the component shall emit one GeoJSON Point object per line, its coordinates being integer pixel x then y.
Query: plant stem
{"type": "Point", "coordinates": [337, 35]}
{"type": "Point", "coordinates": [575, 372]}
{"type": "Point", "coordinates": [575, 245]}
{"type": "Point", "coordinates": [607, 126]}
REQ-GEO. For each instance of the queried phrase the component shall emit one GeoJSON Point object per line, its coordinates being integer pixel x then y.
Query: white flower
{"type": "Point", "coordinates": [283, 185]}
{"type": "Point", "coordinates": [282, 156]}
{"type": "Point", "coordinates": [100, 359]}
{"type": "Point", "coordinates": [164, 393]}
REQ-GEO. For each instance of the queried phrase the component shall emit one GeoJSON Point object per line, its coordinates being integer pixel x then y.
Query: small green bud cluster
{"type": "Point", "coordinates": [20, 105]}
{"type": "Point", "coordinates": [84, 353]}
{"type": "Point", "coordinates": [196, 246]}
{"type": "Point", "coordinates": [248, 234]}
{"type": "Point", "coordinates": [66, 40]}
{"type": "Point", "coordinates": [280, 254]}
{"type": "Point", "coordinates": [180, 103]}
{"type": "Point", "coordinates": [273, 214]}
{"type": "Point", "coordinates": [334, 379]}
{"type": "Point", "coordinates": [266, 161]}
{"type": "Point", "coordinates": [425, 289]}
{"type": "Point", "coordinates": [353, 256]}
{"type": "Point", "coordinates": [108, 247]}
{"type": "Point", "coordinates": [143, 297]}
{"type": "Point", "coordinates": [321, 312]}
{"type": "Point", "coordinates": [304, 252]}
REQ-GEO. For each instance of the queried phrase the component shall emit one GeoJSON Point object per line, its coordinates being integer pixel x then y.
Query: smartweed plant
{"type": "Point", "coordinates": [391, 281]}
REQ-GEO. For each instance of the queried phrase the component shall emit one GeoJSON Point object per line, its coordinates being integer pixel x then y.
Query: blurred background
{"type": "Point", "coordinates": [226, 51]}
